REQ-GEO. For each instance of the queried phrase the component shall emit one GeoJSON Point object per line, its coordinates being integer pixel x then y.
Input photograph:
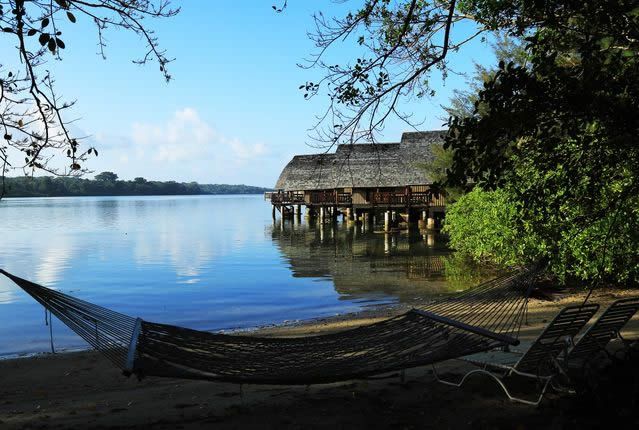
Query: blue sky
{"type": "Point", "coordinates": [233, 112]}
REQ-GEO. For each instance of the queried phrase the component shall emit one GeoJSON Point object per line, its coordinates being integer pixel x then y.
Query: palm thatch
{"type": "Point", "coordinates": [378, 165]}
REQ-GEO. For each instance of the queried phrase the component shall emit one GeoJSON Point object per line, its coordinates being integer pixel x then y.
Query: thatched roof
{"type": "Point", "coordinates": [363, 165]}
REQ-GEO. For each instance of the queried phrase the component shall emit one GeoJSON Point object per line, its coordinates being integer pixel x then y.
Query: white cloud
{"type": "Point", "coordinates": [183, 137]}
{"type": "Point", "coordinates": [246, 152]}
{"type": "Point", "coordinates": [186, 136]}
{"type": "Point", "coordinates": [185, 146]}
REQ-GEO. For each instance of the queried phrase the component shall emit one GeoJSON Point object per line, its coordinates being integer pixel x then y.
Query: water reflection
{"type": "Point", "coordinates": [204, 262]}
{"type": "Point", "coordinates": [361, 261]}
{"type": "Point", "coordinates": [108, 212]}
{"type": "Point", "coordinates": [53, 260]}
{"type": "Point", "coordinates": [7, 294]}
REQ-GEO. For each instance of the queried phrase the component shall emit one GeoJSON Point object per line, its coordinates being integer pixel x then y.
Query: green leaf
{"type": "Point", "coordinates": [71, 17]}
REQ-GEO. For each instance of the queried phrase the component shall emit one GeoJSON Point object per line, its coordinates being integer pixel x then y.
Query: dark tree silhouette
{"type": "Point", "coordinates": [106, 177]}
{"type": "Point", "coordinates": [402, 43]}
{"type": "Point", "coordinates": [107, 184]}
{"type": "Point", "coordinates": [558, 132]}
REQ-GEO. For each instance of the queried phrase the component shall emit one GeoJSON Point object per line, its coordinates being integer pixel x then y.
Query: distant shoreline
{"type": "Point", "coordinates": [46, 186]}
{"type": "Point", "coordinates": [6, 196]}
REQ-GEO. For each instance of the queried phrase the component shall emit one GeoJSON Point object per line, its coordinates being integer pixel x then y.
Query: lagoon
{"type": "Point", "coordinates": [204, 262]}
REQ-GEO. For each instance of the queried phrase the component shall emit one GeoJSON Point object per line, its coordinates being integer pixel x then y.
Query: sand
{"type": "Point", "coordinates": [83, 390]}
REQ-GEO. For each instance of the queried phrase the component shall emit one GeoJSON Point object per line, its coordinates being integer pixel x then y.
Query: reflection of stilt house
{"type": "Point", "coordinates": [398, 265]}
{"type": "Point", "coordinates": [364, 181]}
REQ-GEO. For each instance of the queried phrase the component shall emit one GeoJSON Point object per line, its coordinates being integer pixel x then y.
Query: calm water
{"type": "Point", "coordinates": [205, 262]}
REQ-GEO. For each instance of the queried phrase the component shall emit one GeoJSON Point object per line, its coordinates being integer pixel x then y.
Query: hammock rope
{"type": "Point", "coordinates": [482, 318]}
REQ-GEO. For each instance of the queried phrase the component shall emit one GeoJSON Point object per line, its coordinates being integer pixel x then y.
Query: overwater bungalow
{"type": "Point", "coordinates": [365, 182]}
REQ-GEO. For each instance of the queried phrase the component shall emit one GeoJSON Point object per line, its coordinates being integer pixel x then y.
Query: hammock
{"type": "Point", "coordinates": [482, 318]}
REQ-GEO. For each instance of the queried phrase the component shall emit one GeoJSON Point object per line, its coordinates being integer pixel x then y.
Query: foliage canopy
{"type": "Point", "coordinates": [107, 184]}
{"type": "Point", "coordinates": [551, 136]}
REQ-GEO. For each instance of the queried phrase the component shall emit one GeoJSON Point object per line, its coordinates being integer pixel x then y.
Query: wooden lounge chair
{"type": "Point", "coordinates": [539, 362]}
{"type": "Point", "coordinates": [606, 328]}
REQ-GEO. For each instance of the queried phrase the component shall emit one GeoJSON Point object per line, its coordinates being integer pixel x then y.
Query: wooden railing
{"type": "Point", "coordinates": [323, 197]}
{"type": "Point", "coordinates": [420, 198]}
{"type": "Point", "coordinates": [394, 198]}
{"type": "Point", "coordinates": [330, 198]}
{"type": "Point", "coordinates": [287, 198]}
{"type": "Point", "coordinates": [344, 198]}
{"type": "Point", "coordinates": [406, 198]}
{"type": "Point", "coordinates": [388, 198]}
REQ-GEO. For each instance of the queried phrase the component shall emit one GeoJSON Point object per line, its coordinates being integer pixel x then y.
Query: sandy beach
{"type": "Point", "coordinates": [83, 390]}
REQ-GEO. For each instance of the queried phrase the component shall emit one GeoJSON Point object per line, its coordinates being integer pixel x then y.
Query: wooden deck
{"type": "Point", "coordinates": [365, 199]}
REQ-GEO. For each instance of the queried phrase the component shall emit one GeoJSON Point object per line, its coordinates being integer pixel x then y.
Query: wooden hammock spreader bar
{"type": "Point", "coordinates": [133, 346]}
{"type": "Point", "coordinates": [467, 327]}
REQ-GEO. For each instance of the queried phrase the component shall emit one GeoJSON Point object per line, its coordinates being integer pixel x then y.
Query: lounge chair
{"type": "Point", "coordinates": [539, 362]}
{"type": "Point", "coordinates": [606, 328]}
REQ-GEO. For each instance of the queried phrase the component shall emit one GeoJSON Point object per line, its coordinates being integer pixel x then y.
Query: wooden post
{"type": "Point", "coordinates": [349, 214]}
{"type": "Point", "coordinates": [430, 224]}
{"type": "Point", "coordinates": [387, 219]}
{"type": "Point", "coordinates": [430, 240]}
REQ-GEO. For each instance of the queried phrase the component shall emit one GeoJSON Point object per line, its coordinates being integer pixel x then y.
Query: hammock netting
{"type": "Point", "coordinates": [482, 318]}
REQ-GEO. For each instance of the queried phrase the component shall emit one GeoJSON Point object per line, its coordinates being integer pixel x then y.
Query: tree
{"type": "Point", "coordinates": [41, 186]}
{"type": "Point", "coordinates": [402, 44]}
{"type": "Point", "coordinates": [561, 136]}
{"type": "Point", "coordinates": [32, 114]}
{"type": "Point", "coordinates": [557, 133]}
{"type": "Point", "coordinates": [462, 105]}
{"type": "Point", "coordinates": [506, 48]}
{"type": "Point", "coordinates": [106, 177]}
{"type": "Point", "coordinates": [485, 226]}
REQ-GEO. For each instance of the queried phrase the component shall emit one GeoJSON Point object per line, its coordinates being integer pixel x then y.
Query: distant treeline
{"type": "Point", "coordinates": [108, 184]}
